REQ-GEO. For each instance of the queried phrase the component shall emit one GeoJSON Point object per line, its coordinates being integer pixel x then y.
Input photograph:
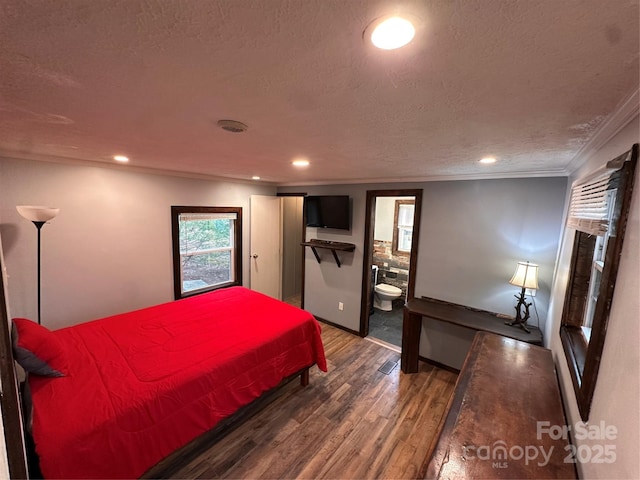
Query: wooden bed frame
{"type": "Point", "coordinates": [167, 467]}
{"type": "Point", "coordinates": [10, 399]}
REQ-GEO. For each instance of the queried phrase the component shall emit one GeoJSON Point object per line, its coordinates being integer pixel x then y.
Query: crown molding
{"type": "Point", "coordinates": [27, 156]}
{"type": "Point", "coordinates": [626, 111]}
{"type": "Point", "coordinates": [431, 178]}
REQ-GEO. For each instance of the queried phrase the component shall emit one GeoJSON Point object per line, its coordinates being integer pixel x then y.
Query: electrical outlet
{"type": "Point", "coordinates": [385, 264]}
{"type": "Point", "coordinates": [340, 306]}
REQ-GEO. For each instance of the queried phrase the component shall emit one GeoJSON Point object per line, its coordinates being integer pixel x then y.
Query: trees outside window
{"type": "Point", "coordinates": [207, 248]}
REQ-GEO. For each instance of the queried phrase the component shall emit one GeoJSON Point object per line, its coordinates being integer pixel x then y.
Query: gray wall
{"type": "Point", "coordinates": [109, 249]}
{"type": "Point", "coordinates": [472, 234]}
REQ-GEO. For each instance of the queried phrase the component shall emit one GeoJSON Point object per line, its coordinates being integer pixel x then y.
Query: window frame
{"type": "Point", "coordinates": [395, 243]}
{"type": "Point", "coordinates": [583, 356]}
{"type": "Point", "coordinates": [236, 249]}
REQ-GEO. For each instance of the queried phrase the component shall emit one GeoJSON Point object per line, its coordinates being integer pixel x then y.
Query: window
{"type": "Point", "coordinates": [403, 227]}
{"type": "Point", "coordinates": [597, 265]}
{"type": "Point", "coordinates": [207, 248]}
{"type": "Point", "coordinates": [598, 212]}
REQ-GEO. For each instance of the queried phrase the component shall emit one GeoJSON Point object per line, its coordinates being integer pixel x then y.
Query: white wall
{"type": "Point", "coordinates": [472, 234]}
{"type": "Point", "coordinates": [109, 249]}
{"type": "Point", "coordinates": [385, 213]}
{"type": "Point", "coordinates": [617, 392]}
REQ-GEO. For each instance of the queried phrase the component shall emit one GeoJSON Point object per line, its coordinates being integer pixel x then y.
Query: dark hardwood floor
{"type": "Point", "coordinates": [352, 422]}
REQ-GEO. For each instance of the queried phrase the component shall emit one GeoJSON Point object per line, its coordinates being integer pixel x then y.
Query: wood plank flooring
{"type": "Point", "coordinates": [352, 422]}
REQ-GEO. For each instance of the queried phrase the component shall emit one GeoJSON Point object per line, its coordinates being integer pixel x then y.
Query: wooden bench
{"type": "Point", "coordinates": [498, 419]}
{"type": "Point", "coordinates": [467, 317]}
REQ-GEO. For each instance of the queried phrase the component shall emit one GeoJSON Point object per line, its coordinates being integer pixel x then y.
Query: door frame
{"type": "Point", "coordinates": [369, 225]}
{"type": "Point", "coordinates": [304, 237]}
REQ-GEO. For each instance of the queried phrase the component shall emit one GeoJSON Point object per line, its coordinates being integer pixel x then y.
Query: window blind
{"type": "Point", "coordinates": [405, 215]}
{"type": "Point", "coordinates": [189, 217]}
{"type": "Point", "coordinates": [590, 205]}
{"type": "Point", "coordinates": [591, 200]}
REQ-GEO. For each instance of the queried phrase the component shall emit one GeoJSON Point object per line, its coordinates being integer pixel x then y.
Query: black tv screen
{"type": "Point", "coordinates": [328, 211]}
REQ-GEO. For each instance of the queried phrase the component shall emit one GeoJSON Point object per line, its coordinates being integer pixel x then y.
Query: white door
{"type": "Point", "coordinates": [266, 245]}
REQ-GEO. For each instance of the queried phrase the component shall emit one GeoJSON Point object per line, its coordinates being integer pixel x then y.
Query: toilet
{"type": "Point", "coordinates": [384, 296]}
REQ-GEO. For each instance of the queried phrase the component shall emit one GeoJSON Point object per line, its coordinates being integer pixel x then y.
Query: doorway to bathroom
{"type": "Point", "coordinates": [392, 228]}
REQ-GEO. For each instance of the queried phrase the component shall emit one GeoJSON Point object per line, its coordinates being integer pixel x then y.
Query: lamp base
{"type": "Point", "coordinates": [519, 323]}
{"type": "Point", "coordinates": [522, 313]}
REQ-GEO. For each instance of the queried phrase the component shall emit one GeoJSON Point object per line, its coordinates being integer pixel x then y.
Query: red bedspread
{"type": "Point", "coordinates": [144, 383]}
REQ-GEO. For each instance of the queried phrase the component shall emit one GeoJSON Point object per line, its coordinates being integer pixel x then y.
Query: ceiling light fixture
{"type": "Point", "coordinates": [255, 177]}
{"type": "Point", "coordinates": [390, 32]}
{"type": "Point", "coordinates": [232, 126]}
{"type": "Point", "coordinates": [488, 160]}
{"type": "Point", "coordinates": [301, 162]}
{"type": "Point", "coordinates": [121, 158]}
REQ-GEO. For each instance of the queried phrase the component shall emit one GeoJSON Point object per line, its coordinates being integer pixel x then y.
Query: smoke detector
{"type": "Point", "coordinates": [232, 126]}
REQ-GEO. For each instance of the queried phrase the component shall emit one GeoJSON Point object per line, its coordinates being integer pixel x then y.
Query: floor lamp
{"type": "Point", "coordinates": [39, 216]}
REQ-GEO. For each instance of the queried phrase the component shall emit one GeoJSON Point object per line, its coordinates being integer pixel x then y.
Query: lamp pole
{"type": "Point", "coordinates": [39, 227]}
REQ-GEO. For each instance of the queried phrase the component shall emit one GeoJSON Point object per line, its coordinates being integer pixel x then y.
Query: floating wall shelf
{"type": "Point", "coordinates": [329, 245]}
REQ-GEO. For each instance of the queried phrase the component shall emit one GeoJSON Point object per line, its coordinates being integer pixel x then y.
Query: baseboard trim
{"type": "Point", "coordinates": [341, 327]}
{"type": "Point", "coordinates": [439, 365]}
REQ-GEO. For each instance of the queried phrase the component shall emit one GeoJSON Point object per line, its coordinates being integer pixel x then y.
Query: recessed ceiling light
{"type": "Point", "coordinates": [255, 177]}
{"type": "Point", "coordinates": [121, 158]}
{"type": "Point", "coordinates": [301, 162]}
{"type": "Point", "coordinates": [389, 33]}
{"type": "Point", "coordinates": [488, 160]}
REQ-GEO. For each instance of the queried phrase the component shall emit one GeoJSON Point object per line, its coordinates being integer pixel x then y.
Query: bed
{"type": "Point", "coordinates": [115, 396]}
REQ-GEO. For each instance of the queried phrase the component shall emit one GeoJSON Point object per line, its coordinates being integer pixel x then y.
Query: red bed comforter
{"type": "Point", "coordinates": [144, 383]}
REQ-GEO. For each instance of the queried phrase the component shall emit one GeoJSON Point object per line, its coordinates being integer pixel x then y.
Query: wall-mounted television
{"type": "Point", "coordinates": [328, 211]}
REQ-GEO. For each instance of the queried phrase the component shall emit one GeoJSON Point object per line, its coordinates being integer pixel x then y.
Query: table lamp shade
{"type": "Point", "coordinates": [526, 275]}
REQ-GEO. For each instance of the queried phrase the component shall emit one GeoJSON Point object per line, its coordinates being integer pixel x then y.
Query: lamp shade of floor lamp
{"type": "Point", "coordinates": [39, 216]}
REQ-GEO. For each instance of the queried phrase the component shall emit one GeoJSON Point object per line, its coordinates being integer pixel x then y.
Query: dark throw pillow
{"type": "Point", "coordinates": [37, 349]}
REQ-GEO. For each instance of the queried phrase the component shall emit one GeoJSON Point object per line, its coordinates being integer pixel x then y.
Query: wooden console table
{"type": "Point", "coordinates": [498, 419]}
{"type": "Point", "coordinates": [416, 308]}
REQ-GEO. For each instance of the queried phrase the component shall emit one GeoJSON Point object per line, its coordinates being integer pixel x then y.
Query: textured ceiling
{"type": "Point", "coordinates": [528, 81]}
